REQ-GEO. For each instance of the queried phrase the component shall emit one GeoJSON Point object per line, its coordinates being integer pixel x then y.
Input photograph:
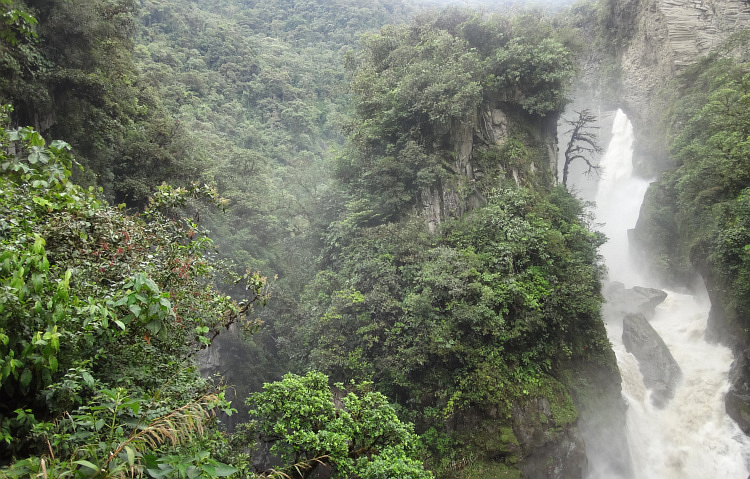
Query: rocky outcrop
{"type": "Point", "coordinates": [451, 199]}
{"type": "Point", "coordinates": [737, 399]}
{"type": "Point", "coordinates": [661, 373]}
{"type": "Point", "coordinates": [659, 38]}
{"type": "Point", "coordinates": [602, 411]}
{"type": "Point", "coordinates": [552, 452]}
{"type": "Point", "coordinates": [540, 437]}
{"type": "Point", "coordinates": [454, 196]}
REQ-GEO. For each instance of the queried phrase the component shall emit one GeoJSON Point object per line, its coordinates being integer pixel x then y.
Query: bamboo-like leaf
{"type": "Point", "coordinates": [87, 464]}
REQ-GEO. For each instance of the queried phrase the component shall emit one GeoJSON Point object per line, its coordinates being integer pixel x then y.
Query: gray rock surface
{"type": "Point", "coordinates": [552, 452]}
{"type": "Point", "coordinates": [602, 421]}
{"type": "Point", "coordinates": [737, 399]}
{"type": "Point", "coordinates": [664, 36]}
{"type": "Point", "coordinates": [661, 373]}
{"type": "Point", "coordinates": [621, 300]}
{"type": "Point", "coordinates": [490, 126]}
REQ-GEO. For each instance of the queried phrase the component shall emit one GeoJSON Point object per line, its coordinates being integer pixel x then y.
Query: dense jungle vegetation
{"type": "Point", "coordinates": [161, 160]}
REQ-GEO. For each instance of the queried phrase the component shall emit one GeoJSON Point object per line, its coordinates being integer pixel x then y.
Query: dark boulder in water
{"type": "Point", "coordinates": [661, 373]}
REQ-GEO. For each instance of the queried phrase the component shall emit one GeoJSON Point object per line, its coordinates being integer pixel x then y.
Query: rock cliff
{"type": "Point", "coordinates": [656, 40]}
{"type": "Point", "coordinates": [489, 128]}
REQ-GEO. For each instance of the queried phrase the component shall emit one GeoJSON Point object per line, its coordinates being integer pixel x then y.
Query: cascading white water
{"type": "Point", "coordinates": [618, 200]}
{"type": "Point", "coordinates": [692, 437]}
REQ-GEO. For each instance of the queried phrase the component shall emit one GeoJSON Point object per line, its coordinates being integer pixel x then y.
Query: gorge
{"type": "Point", "coordinates": [345, 218]}
{"type": "Point", "coordinates": [687, 432]}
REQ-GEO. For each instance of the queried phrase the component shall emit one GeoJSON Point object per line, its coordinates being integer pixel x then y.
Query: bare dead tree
{"type": "Point", "coordinates": [583, 143]}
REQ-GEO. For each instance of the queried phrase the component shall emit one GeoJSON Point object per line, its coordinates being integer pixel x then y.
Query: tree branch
{"type": "Point", "coordinates": [583, 144]}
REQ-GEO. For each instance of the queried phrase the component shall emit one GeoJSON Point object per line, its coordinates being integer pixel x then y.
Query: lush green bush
{"type": "Point", "coordinates": [416, 85]}
{"type": "Point", "coordinates": [354, 433]}
{"type": "Point", "coordinates": [478, 314]}
{"type": "Point", "coordinates": [101, 316]}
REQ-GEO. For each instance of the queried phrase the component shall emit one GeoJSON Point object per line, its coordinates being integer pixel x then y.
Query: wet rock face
{"type": "Point", "coordinates": [661, 373]}
{"type": "Point", "coordinates": [737, 399]}
{"type": "Point", "coordinates": [552, 452]}
{"type": "Point", "coordinates": [602, 421]}
{"type": "Point", "coordinates": [648, 299]}
{"type": "Point", "coordinates": [662, 37]}
{"type": "Point", "coordinates": [491, 125]}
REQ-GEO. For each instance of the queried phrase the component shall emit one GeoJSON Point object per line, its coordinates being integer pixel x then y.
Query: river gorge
{"type": "Point", "coordinates": [686, 434]}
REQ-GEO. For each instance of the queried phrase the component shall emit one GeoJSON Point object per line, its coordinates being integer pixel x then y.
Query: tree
{"type": "Point", "coordinates": [361, 436]}
{"type": "Point", "coordinates": [583, 143]}
{"type": "Point", "coordinates": [15, 24]}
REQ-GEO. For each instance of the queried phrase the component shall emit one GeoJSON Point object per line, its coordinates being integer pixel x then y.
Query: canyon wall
{"type": "Point", "coordinates": [655, 40]}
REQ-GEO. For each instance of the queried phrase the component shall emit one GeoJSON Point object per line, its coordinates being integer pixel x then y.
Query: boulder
{"type": "Point", "coordinates": [661, 373]}
{"type": "Point", "coordinates": [621, 300]}
{"type": "Point", "coordinates": [648, 299]}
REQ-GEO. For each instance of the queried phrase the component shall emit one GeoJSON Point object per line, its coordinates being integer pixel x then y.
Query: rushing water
{"type": "Point", "coordinates": [692, 437]}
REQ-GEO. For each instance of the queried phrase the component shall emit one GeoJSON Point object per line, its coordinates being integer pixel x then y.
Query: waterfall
{"type": "Point", "coordinates": [692, 436]}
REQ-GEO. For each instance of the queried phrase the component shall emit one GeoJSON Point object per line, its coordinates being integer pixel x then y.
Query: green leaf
{"type": "Point", "coordinates": [26, 378]}
{"type": "Point", "coordinates": [135, 309]}
{"type": "Point", "coordinates": [133, 404]}
{"type": "Point", "coordinates": [131, 455]}
{"type": "Point", "coordinates": [223, 470]}
{"type": "Point", "coordinates": [37, 281]}
{"type": "Point", "coordinates": [193, 472]}
{"type": "Point", "coordinates": [59, 145]}
{"type": "Point", "coordinates": [159, 473]}
{"type": "Point", "coordinates": [120, 301]}
{"type": "Point", "coordinates": [87, 464]}
{"type": "Point", "coordinates": [154, 326]}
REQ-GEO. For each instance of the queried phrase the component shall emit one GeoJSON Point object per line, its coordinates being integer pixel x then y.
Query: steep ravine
{"type": "Point", "coordinates": [674, 380]}
{"type": "Point", "coordinates": [654, 41]}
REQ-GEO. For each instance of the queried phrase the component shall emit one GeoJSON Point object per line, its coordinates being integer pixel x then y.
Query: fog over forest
{"type": "Point", "coordinates": [374, 239]}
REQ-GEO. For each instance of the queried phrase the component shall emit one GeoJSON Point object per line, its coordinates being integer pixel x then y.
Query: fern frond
{"type": "Point", "coordinates": [175, 428]}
